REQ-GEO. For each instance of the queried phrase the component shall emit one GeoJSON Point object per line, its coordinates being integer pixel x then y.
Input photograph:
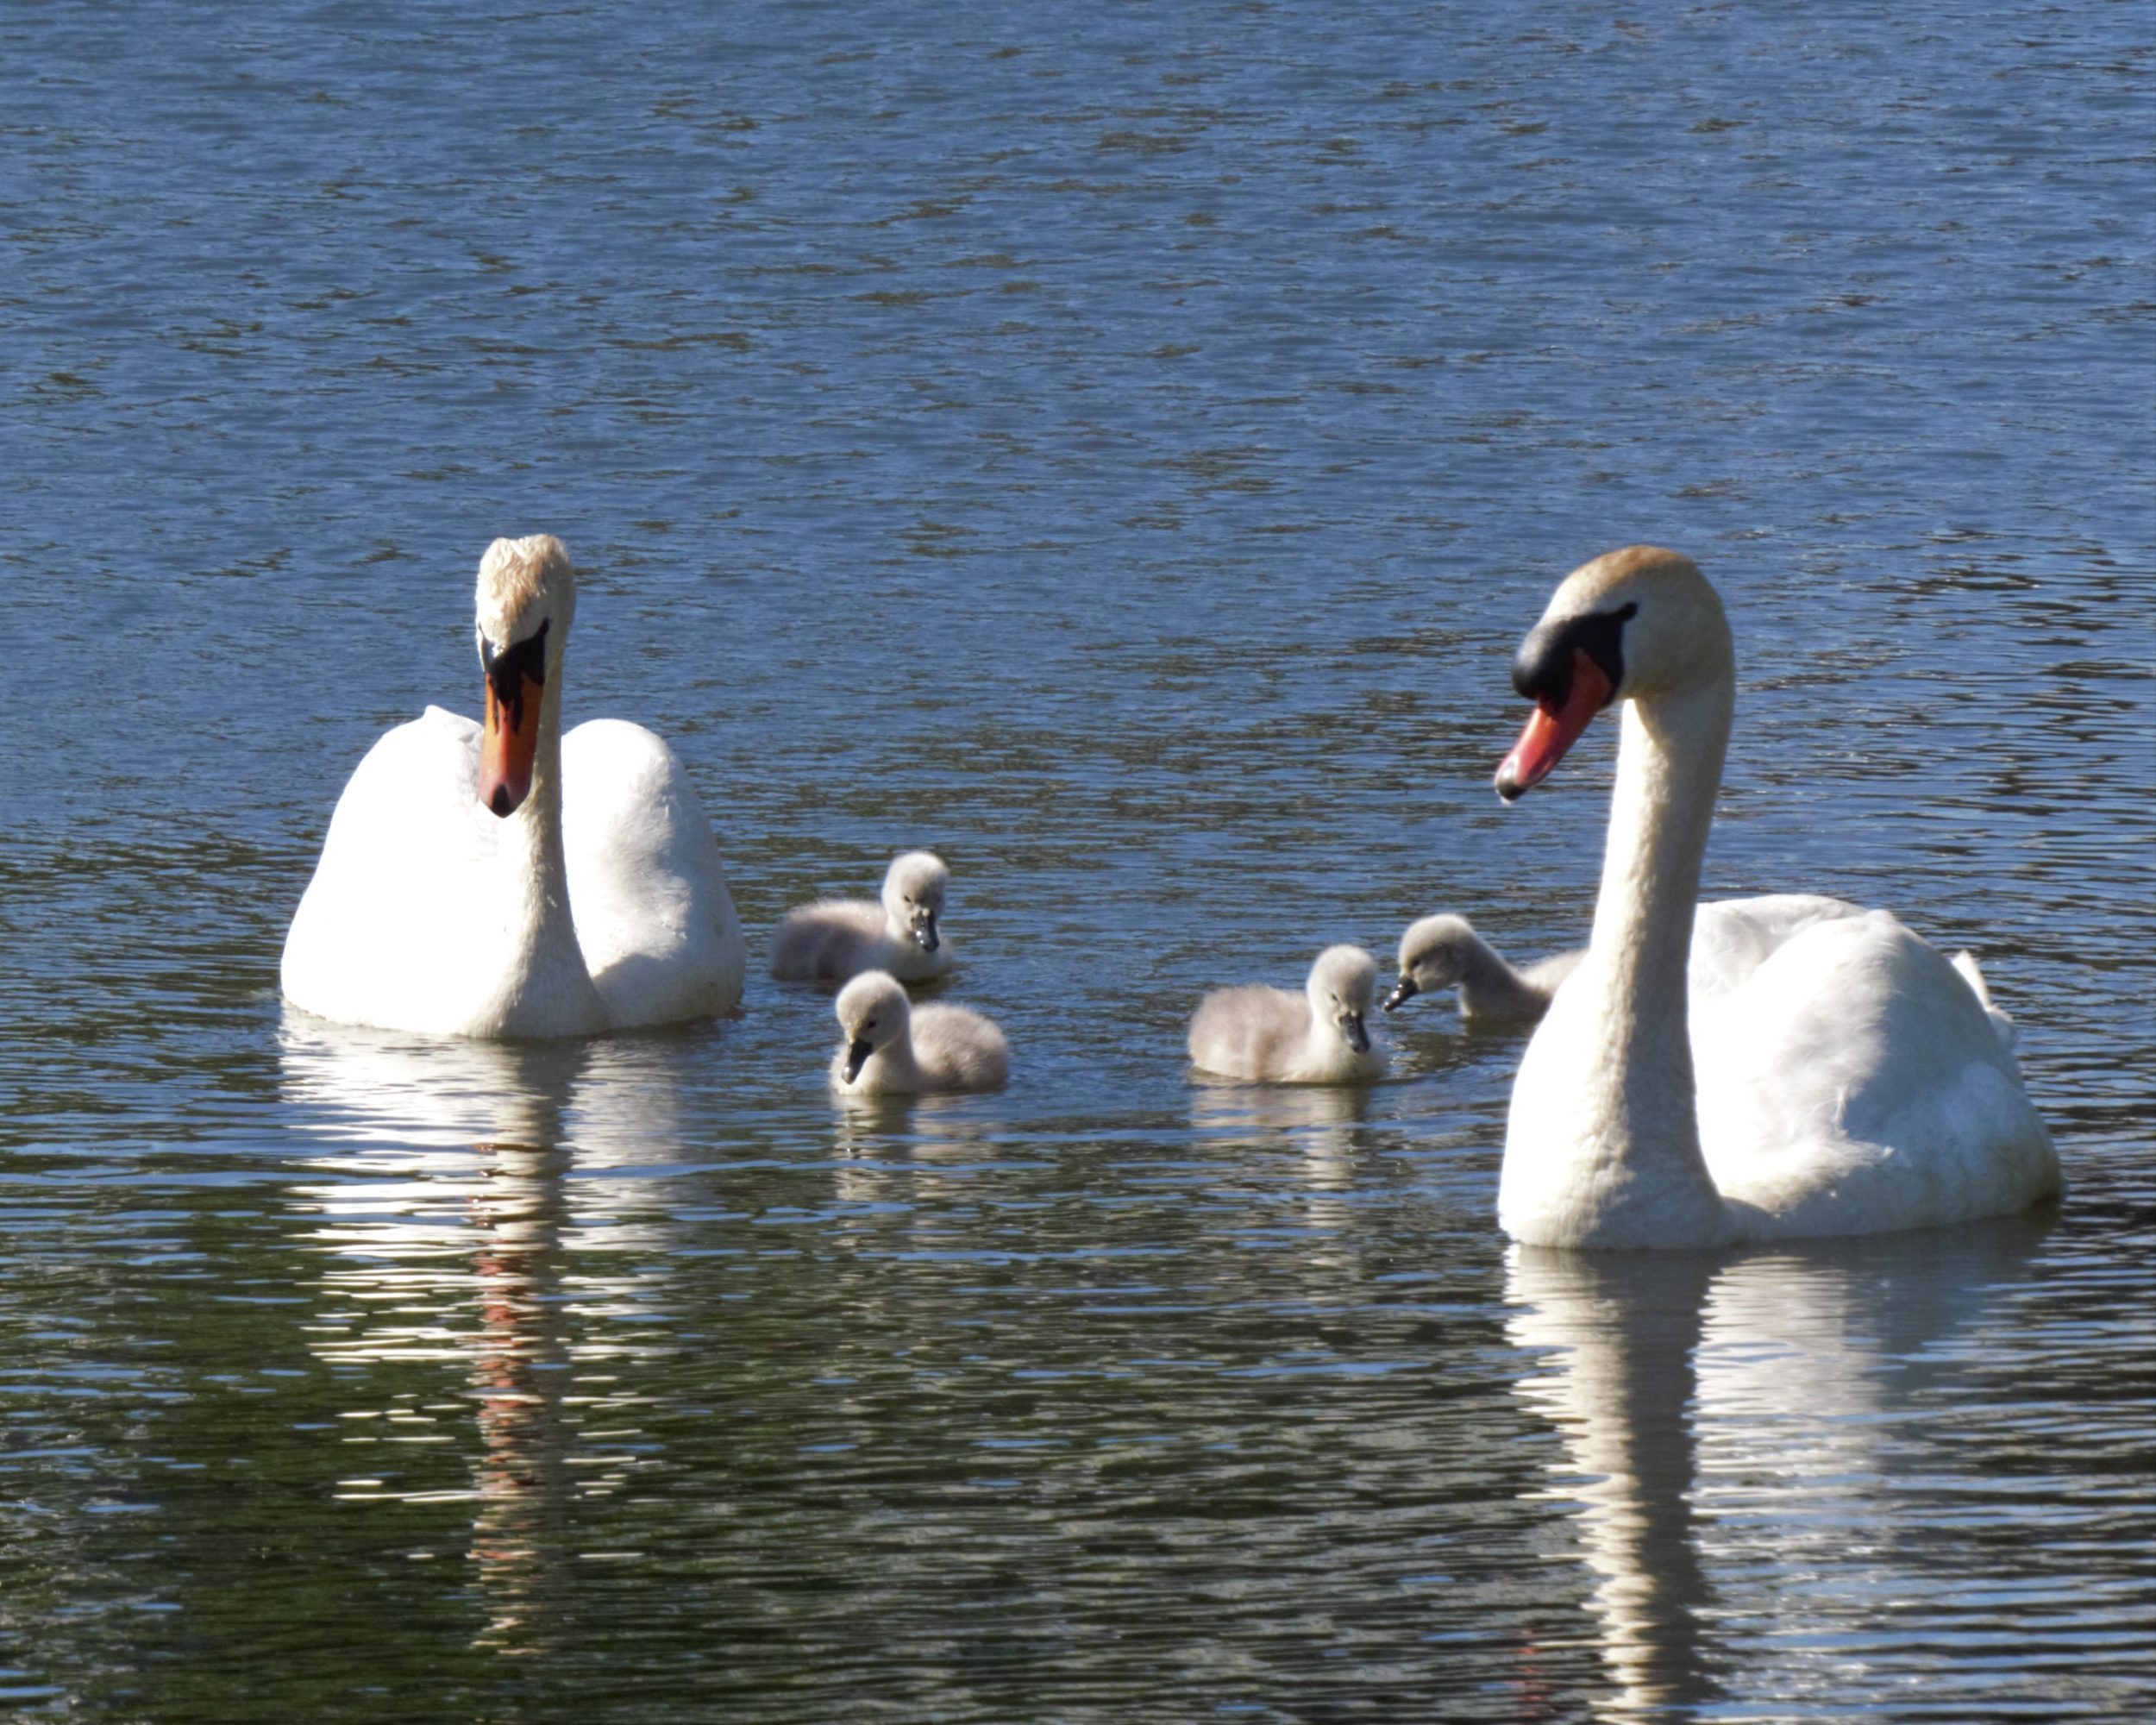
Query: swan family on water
{"type": "Point", "coordinates": [1700, 1073]}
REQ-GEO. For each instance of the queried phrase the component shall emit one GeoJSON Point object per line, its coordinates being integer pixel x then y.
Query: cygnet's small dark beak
{"type": "Point", "coordinates": [857, 1053]}
{"type": "Point", "coordinates": [1403, 991]}
{"type": "Point", "coordinates": [925, 930]}
{"type": "Point", "coordinates": [1359, 1039]}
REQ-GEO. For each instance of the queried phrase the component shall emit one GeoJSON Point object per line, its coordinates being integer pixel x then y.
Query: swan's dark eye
{"type": "Point", "coordinates": [1542, 669]}
{"type": "Point", "coordinates": [524, 662]}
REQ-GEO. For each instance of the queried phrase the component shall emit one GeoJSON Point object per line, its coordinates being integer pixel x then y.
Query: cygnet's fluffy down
{"type": "Point", "coordinates": [835, 938]}
{"type": "Point", "coordinates": [1319, 1037]}
{"type": "Point", "coordinates": [891, 1048]}
{"type": "Point", "coordinates": [1443, 951]}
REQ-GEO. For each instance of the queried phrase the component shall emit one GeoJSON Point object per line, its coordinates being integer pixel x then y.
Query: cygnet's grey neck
{"type": "Point", "coordinates": [899, 1068]}
{"type": "Point", "coordinates": [1490, 988]}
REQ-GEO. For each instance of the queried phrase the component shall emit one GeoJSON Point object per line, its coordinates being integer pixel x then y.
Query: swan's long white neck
{"type": "Point", "coordinates": [1641, 1098]}
{"type": "Point", "coordinates": [546, 988]}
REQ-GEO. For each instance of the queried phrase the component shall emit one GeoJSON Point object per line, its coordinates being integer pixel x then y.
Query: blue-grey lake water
{"type": "Point", "coordinates": [1119, 447]}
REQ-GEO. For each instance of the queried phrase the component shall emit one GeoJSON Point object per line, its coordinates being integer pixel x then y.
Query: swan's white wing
{"type": "Point", "coordinates": [1732, 937]}
{"type": "Point", "coordinates": [1853, 1084]}
{"type": "Point", "coordinates": [1964, 964]}
{"type": "Point", "coordinates": [646, 884]}
{"type": "Point", "coordinates": [402, 925]}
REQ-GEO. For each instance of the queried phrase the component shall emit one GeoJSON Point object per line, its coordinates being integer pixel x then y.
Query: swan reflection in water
{"type": "Point", "coordinates": [1732, 1424]}
{"type": "Point", "coordinates": [454, 1233]}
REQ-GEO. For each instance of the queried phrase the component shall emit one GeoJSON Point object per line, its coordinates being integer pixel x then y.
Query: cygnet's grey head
{"type": "Point", "coordinates": [1342, 984]}
{"type": "Point", "coordinates": [526, 596]}
{"type": "Point", "coordinates": [872, 1012]}
{"type": "Point", "coordinates": [1432, 955]}
{"type": "Point", "coordinates": [913, 895]}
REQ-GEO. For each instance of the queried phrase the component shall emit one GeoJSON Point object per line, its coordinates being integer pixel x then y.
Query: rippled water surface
{"type": "Point", "coordinates": [1119, 447]}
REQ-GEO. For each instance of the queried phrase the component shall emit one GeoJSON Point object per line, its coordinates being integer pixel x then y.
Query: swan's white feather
{"type": "Point", "coordinates": [1966, 963]}
{"type": "Point", "coordinates": [1852, 1082]}
{"type": "Point", "coordinates": [1849, 1080]}
{"type": "Point", "coordinates": [405, 925]}
{"type": "Point", "coordinates": [654, 917]}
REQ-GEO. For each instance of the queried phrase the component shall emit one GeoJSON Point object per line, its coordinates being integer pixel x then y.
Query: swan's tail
{"type": "Point", "coordinates": [1966, 964]}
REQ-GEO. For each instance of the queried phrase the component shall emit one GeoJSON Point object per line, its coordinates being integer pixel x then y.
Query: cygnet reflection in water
{"type": "Point", "coordinates": [1323, 1125]}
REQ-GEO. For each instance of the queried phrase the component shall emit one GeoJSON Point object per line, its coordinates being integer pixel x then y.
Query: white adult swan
{"type": "Point", "coordinates": [1848, 1080]}
{"type": "Point", "coordinates": [512, 882]}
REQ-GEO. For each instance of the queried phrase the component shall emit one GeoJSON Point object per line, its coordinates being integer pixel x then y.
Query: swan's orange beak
{"type": "Point", "coordinates": [1555, 729]}
{"type": "Point", "coordinates": [510, 745]}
